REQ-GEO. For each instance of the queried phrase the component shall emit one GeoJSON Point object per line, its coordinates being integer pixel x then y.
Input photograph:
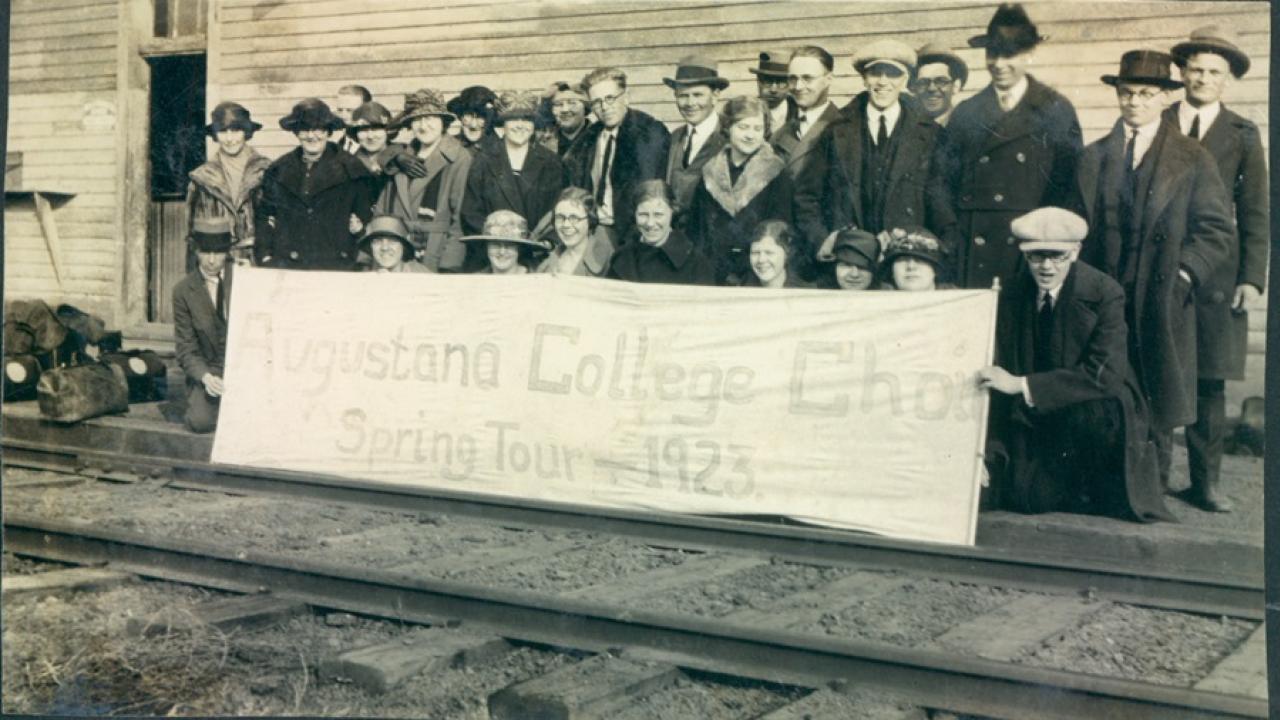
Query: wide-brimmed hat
{"type": "Point", "coordinates": [856, 247]}
{"type": "Point", "coordinates": [1049, 228]}
{"type": "Point", "coordinates": [311, 114]}
{"type": "Point", "coordinates": [1010, 32]}
{"type": "Point", "coordinates": [229, 115]}
{"type": "Point", "coordinates": [910, 242]}
{"type": "Point", "coordinates": [773, 64]}
{"type": "Point", "coordinates": [695, 70]}
{"type": "Point", "coordinates": [422, 103]}
{"type": "Point", "coordinates": [369, 115]}
{"type": "Point", "coordinates": [388, 226]}
{"type": "Point", "coordinates": [1213, 39]}
{"type": "Point", "coordinates": [885, 51]}
{"type": "Point", "coordinates": [477, 99]}
{"type": "Point", "coordinates": [506, 226]}
{"type": "Point", "coordinates": [211, 234]}
{"type": "Point", "coordinates": [516, 106]}
{"type": "Point", "coordinates": [939, 53]}
{"type": "Point", "coordinates": [1147, 67]}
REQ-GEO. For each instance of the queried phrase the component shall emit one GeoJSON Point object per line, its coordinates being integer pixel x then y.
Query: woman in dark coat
{"type": "Point", "coordinates": [772, 257]}
{"type": "Point", "coordinates": [476, 107]}
{"type": "Point", "coordinates": [229, 183]}
{"type": "Point", "coordinates": [309, 195]}
{"type": "Point", "coordinates": [742, 186]}
{"type": "Point", "coordinates": [655, 252]}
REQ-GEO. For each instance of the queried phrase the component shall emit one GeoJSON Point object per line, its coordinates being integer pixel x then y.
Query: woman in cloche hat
{"type": "Point", "coordinates": [912, 259]}
{"type": "Point", "coordinates": [386, 241]}
{"type": "Point", "coordinates": [228, 184]}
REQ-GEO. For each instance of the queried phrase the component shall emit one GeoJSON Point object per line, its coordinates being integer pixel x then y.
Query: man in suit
{"type": "Point", "coordinates": [349, 99]}
{"type": "Point", "coordinates": [1068, 422]}
{"type": "Point", "coordinates": [873, 167]}
{"type": "Point", "coordinates": [1158, 224]}
{"type": "Point", "coordinates": [772, 88]}
{"type": "Point", "coordinates": [809, 75]}
{"type": "Point", "coordinates": [940, 74]}
{"type": "Point", "coordinates": [624, 147]}
{"type": "Point", "coordinates": [1210, 60]}
{"type": "Point", "coordinates": [200, 321]}
{"type": "Point", "coordinates": [1008, 150]}
{"type": "Point", "coordinates": [697, 87]}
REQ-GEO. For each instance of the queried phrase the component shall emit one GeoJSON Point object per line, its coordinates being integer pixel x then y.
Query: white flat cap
{"type": "Point", "coordinates": [1049, 228]}
{"type": "Point", "coordinates": [892, 52]}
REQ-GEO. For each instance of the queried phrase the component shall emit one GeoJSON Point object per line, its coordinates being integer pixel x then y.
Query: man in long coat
{"type": "Point", "coordinates": [1158, 224]}
{"type": "Point", "coordinates": [697, 86]}
{"type": "Point", "coordinates": [1210, 61]}
{"type": "Point", "coordinates": [1069, 427]}
{"type": "Point", "coordinates": [1009, 149]}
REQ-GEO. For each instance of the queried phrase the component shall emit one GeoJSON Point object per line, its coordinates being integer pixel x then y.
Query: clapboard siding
{"type": "Point", "coordinates": [62, 77]}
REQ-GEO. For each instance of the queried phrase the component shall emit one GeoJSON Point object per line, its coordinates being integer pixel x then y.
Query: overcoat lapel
{"type": "Point", "coordinates": [1018, 122]}
{"type": "Point", "coordinates": [503, 176]}
{"type": "Point", "coordinates": [1170, 170]}
{"type": "Point", "coordinates": [410, 189]}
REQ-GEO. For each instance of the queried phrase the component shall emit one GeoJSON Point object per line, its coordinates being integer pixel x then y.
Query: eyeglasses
{"type": "Point", "coordinates": [937, 83]}
{"type": "Point", "coordinates": [1144, 96]}
{"type": "Point", "coordinates": [569, 218]}
{"type": "Point", "coordinates": [609, 100]}
{"type": "Point", "coordinates": [1040, 257]}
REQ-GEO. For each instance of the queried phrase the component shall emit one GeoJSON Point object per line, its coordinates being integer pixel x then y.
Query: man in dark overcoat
{"type": "Point", "coordinates": [809, 75]}
{"type": "Point", "coordinates": [1009, 149]}
{"type": "Point", "coordinates": [697, 86]}
{"type": "Point", "coordinates": [1069, 427]}
{"type": "Point", "coordinates": [874, 166]}
{"type": "Point", "coordinates": [772, 88]}
{"type": "Point", "coordinates": [1158, 224]}
{"type": "Point", "coordinates": [200, 303]}
{"type": "Point", "coordinates": [1210, 61]}
{"type": "Point", "coordinates": [309, 196]}
{"type": "Point", "coordinates": [623, 147]}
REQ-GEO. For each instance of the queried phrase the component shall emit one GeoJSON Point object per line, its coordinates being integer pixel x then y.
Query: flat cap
{"type": "Point", "coordinates": [1049, 228]}
{"type": "Point", "coordinates": [892, 52]}
{"type": "Point", "coordinates": [939, 53]}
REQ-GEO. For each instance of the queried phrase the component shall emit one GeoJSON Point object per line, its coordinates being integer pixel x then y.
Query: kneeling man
{"type": "Point", "coordinates": [200, 322]}
{"type": "Point", "coordinates": [1069, 426]}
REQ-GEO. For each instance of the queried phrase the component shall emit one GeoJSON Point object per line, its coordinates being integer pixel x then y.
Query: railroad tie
{"type": "Point", "coordinates": [594, 688]}
{"type": "Point", "coordinates": [828, 704]}
{"type": "Point", "coordinates": [382, 667]}
{"type": "Point", "coordinates": [695, 570]}
{"type": "Point", "coordinates": [807, 608]}
{"type": "Point", "coordinates": [1004, 632]}
{"type": "Point", "coordinates": [242, 612]}
{"type": "Point", "coordinates": [1243, 672]}
{"type": "Point", "coordinates": [59, 581]}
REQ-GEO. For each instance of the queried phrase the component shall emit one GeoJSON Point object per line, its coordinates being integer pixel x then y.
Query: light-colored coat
{"type": "Point", "coordinates": [438, 237]}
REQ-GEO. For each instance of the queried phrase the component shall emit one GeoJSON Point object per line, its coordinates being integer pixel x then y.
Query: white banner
{"type": "Point", "coordinates": [848, 409]}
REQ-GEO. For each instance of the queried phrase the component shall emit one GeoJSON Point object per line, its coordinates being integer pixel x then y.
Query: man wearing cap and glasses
{"type": "Point", "coordinates": [1008, 150]}
{"type": "Point", "coordinates": [697, 86]}
{"type": "Point", "coordinates": [1210, 61]}
{"type": "Point", "coordinates": [772, 88]}
{"type": "Point", "coordinates": [1158, 224]}
{"type": "Point", "coordinates": [200, 302]}
{"type": "Point", "coordinates": [940, 74]}
{"type": "Point", "coordinates": [874, 163]}
{"type": "Point", "coordinates": [1068, 422]}
{"type": "Point", "coordinates": [809, 78]}
{"type": "Point", "coordinates": [624, 147]}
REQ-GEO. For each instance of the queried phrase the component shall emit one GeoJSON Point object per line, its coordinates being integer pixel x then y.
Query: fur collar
{"type": "Point", "coordinates": [210, 177]}
{"type": "Point", "coordinates": [760, 170]}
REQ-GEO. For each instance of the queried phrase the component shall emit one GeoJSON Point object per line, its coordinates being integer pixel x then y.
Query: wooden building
{"type": "Point", "coordinates": [90, 80]}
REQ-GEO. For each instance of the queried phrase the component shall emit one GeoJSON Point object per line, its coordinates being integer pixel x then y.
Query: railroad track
{"type": "Point", "coordinates": [628, 612]}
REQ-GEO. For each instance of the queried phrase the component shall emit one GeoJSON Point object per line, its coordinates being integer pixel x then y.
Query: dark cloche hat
{"type": "Point", "coordinates": [477, 99]}
{"type": "Point", "coordinates": [229, 115]}
{"type": "Point", "coordinates": [1009, 32]}
{"type": "Point", "coordinates": [939, 53]}
{"type": "Point", "coordinates": [695, 70]}
{"type": "Point", "coordinates": [211, 234]}
{"type": "Point", "coordinates": [369, 115]}
{"type": "Point", "coordinates": [1213, 39]}
{"type": "Point", "coordinates": [388, 226]}
{"type": "Point", "coordinates": [773, 64]}
{"type": "Point", "coordinates": [910, 242]}
{"type": "Point", "coordinates": [857, 247]}
{"type": "Point", "coordinates": [311, 114]}
{"type": "Point", "coordinates": [1148, 67]}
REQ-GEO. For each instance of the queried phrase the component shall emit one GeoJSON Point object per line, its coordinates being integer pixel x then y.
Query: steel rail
{"type": "Point", "coordinates": [1209, 594]}
{"type": "Point", "coordinates": [928, 677]}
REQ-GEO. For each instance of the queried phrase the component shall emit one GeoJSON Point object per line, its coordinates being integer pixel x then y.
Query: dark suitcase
{"type": "Point", "coordinates": [72, 394]}
{"type": "Point", "coordinates": [145, 373]}
{"type": "Point", "coordinates": [21, 372]}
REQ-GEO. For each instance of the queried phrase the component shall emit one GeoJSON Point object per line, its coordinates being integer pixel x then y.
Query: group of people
{"type": "Point", "coordinates": [1126, 265]}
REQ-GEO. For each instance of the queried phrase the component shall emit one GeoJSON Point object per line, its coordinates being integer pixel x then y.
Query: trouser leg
{"type": "Point", "coordinates": [1163, 440]}
{"type": "Point", "coordinates": [1205, 440]}
{"type": "Point", "coordinates": [202, 411]}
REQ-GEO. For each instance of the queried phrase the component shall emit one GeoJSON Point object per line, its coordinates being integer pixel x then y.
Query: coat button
{"type": "Point", "coordinates": [1218, 296]}
{"type": "Point", "coordinates": [1009, 240]}
{"type": "Point", "coordinates": [1022, 157]}
{"type": "Point", "coordinates": [967, 198]}
{"type": "Point", "coordinates": [342, 255]}
{"type": "Point", "coordinates": [979, 241]}
{"type": "Point", "coordinates": [293, 254]}
{"type": "Point", "coordinates": [998, 197]}
{"type": "Point", "coordinates": [911, 211]}
{"type": "Point", "coordinates": [984, 159]}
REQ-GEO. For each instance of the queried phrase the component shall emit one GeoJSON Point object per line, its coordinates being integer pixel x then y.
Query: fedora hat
{"type": "Point", "coordinates": [422, 103]}
{"type": "Point", "coordinates": [210, 234]}
{"type": "Point", "coordinates": [234, 116]}
{"type": "Point", "coordinates": [388, 226]}
{"type": "Point", "coordinates": [369, 115]}
{"type": "Point", "coordinates": [939, 53]}
{"type": "Point", "coordinates": [1010, 32]}
{"type": "Point", "coordinates": [1148, 67]}
{"type": "Point", "coordinates": [696, 71]}
{"type": "Point", "coordinates": [773, 64]}
{"type": "Point", "coordinates": [1213, 39]}
{"type": "Point", "coordinates": [311, 114]}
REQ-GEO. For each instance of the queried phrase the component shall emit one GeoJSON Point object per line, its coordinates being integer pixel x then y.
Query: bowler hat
{"type": "Point", "coordinates": [311, 114]}
{"type": "Point", "coordinates": [1213, 39]}
{"type": "Point", "coordinates": [939, 53]}
{"type": "Point", "coordinates": [1147, 67]}
{"type": "Point", "coordinates": [857, 247]}
{"type": "Point", "coordinates": [773, 64]}
{"type": "Point", "coordinates": [388, 226]}
{"type": "Point", "coordinates": [890, 52]}
{"type": "Point", "coordinates": [476, 99]}
{"type": "Point", "coordinates": [696, 71]}
{"type": "Point", "coordinates": [1049, 228]}
{"type": "Point", "coordinates": [229, 115]}
{"type": "Point", "coordinates": [1010, 32]}
{"type": "Point", "coordinates": [211, 234]}
{"type": "Point", "coordinates": [516, 106]}
{"type": "Point", "coordinates": [422, 103]}
{"type": "Point", "coordinates": [369, 115]}
{"type": "Point", "coordinates": [910, 242]}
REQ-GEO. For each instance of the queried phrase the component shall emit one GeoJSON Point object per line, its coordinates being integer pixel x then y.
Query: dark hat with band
{"type": "Point", "coordinates": [211, 234]}
{"type": "Point", "coordinates": [857, 247]}
{"type": "Point", "coordinates": [773, 65]}
{"type": "Point", "coordinates": [234, 116]}
{"type": "Point", "coordinates": [1010, 32]}
{"type": "Point", "coordinates": [370, 115]}
{"type": "Point", "coordinates": [311, 114]}
{"type": "Point", "coordinates": [1145, 67]}
{"type": "Point", "coordinates": [696, 71]}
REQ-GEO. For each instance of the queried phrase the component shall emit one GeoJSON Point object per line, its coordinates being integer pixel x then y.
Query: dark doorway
{"type": "Point", "coordinates": [176, 147]}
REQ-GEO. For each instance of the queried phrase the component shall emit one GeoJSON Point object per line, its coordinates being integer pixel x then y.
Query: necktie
{"type": "Point", "coordinates": [1195, 128]}
{"type": "Point", "coordinates": [1128, 150]}
{"type": "Point", "coordinates": [802, 124]}
{"type": "Point", "coordinates": [1044, 326]}
{"type": "Point", "coordinates": [220, 306]}
{"type": "Point", "coordinates": [1003, 99]}
{"type": "Point", "coordinates": [604, 170]}
{"type": "Point", "coordinates": [882, 134]}
{"type": "Point", "coordinates": [688, 147]}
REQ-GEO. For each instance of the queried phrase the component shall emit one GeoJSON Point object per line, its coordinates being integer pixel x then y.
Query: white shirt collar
{"type": "Point", "coordinates": [1015, 93]}
{"type": "Point", "coordinates": [1144, 131]}
{"type": "Point", "coordinates": [708, 126]}
{"type": "Point", "coordinates": [890, 114]}
{"type": "Point", "coordinates": [516, 157]}
{"type": "Point", "coordinates": [1208, 113]}
{"type": "Point", "coordinates": [211, 278]}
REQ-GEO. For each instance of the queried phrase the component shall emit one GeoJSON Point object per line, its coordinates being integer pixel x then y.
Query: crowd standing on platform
{"type": "Point", "coordinates": [1126, 265]}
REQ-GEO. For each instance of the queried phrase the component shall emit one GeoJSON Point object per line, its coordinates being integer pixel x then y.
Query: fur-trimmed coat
{"type": "Point", "coordinates": [209, 195]}
{"type": "Point", "coordinates": [723, 215]}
